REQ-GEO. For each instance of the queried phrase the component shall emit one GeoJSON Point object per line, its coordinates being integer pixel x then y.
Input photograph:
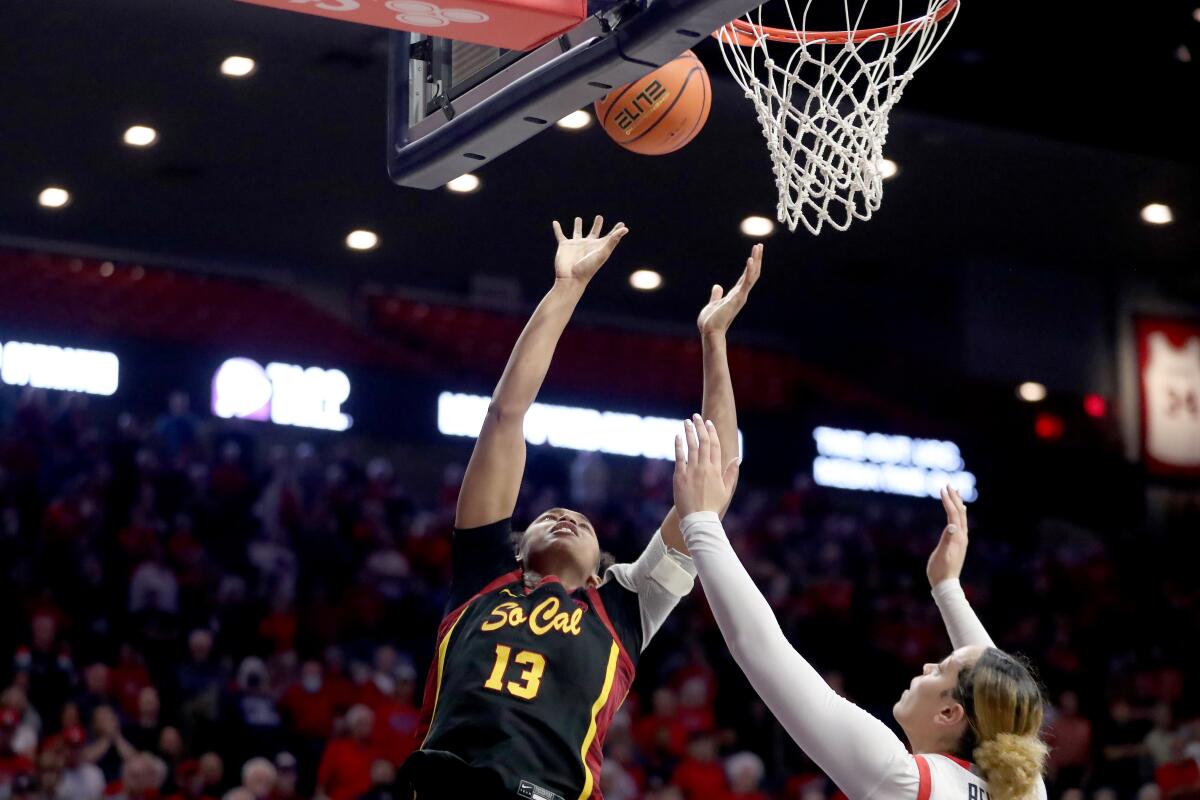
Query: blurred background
{"type": "Point", "coordinates": [237, 365]}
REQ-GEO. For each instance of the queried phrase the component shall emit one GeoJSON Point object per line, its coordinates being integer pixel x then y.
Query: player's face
{"type": "Point", "coordinates": [561, 540]}
{"type": "Point", "coordinates": [927, 710]}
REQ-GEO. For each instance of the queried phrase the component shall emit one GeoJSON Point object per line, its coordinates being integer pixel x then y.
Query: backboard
{"type": "Point", "coordinates": [455, 106]}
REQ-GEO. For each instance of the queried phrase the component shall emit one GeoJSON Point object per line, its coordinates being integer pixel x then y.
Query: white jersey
{"type": "Point", "coordinates": [943, 777]}
{"type": "Point", "coordinates": [857, 751]}
{"type": "Point", "coordinates": [1172, 385]}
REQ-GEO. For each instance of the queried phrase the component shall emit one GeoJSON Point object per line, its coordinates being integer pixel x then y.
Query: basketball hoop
{"type": "Point", "coordinates": [824, 107]}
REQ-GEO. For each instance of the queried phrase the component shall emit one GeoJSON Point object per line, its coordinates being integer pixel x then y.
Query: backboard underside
{"type": "Point", "coordinates": [454, 107]}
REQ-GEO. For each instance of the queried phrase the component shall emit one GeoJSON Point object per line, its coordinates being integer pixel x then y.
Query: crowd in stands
{"type": "Point", "coordinates": [196, 610]}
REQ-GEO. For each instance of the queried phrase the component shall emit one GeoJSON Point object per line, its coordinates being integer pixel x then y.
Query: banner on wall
{"type": "Point", "coordinates": [1169, 376]}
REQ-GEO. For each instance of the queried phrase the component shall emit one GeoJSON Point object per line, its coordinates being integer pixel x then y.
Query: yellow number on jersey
{"type": "Point", "coordinates": [530, 680]}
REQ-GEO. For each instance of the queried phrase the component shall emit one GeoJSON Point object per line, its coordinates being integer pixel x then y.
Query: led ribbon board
{"type": "Point", "coordinates": [570, 427]}
{"type": "Point", "coordinates": [880, 462]}
{"type": "Point", "coordinates": [65, 369]}
{"type": "Point", "coordinates": [281, 393]}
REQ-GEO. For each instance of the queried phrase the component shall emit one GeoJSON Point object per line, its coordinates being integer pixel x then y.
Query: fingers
{"type": "Point", "coordinates": [597, 225]}
{"type": "Point", "coordinates": [956, 509]}
{"type": "Point", "coordinates": [702, 437]}
{"type": "Point", "coordinates": [693, 442]}
{"type": "Point", "coordinates": [558, 234]}
{"type": "Point", "coordinates": [680, 455]}
{"type": "Point", "coordinates": [714, 452]}
{"type": "Point", "coordinates": [615, 236]}
{"type": "Point", "coordinates": [754, 266]}
{"type": "Point", "coordinates": [578, 228]}
{"type": "Point", "coordinates": [716, 293]}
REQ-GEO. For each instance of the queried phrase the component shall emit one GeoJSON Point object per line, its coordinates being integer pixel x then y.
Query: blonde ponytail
{"type": "Point", "coordinates": [1012, 765]}
{"type": "Point", "coordinates": [1003, 703]}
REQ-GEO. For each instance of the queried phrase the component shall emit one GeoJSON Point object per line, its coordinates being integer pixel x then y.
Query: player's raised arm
{"type": "Point", "coordinates": [493, 477]}
{"type": "Point", "coordinates": [719, 406]}
{"type": "Point", "coordinates": [943, 570]}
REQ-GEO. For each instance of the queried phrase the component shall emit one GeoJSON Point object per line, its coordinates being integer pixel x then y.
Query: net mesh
{"type": "Point", "coordinates": [823, 103]}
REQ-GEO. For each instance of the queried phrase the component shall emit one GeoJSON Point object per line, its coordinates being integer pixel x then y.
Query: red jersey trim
{"type": "Point", "coordinates": [926, 784]}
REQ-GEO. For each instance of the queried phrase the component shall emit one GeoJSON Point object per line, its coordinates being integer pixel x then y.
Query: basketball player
{"type": "Point", "coordinates": [539, 648]}
{"type": "Point", "coordinates": [971, 720]}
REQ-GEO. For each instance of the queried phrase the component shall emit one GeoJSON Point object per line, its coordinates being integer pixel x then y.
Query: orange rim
{"type": "Point", "coordinates": [741, 32]}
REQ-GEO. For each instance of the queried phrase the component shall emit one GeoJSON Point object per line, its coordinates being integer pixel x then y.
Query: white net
{"type": "Point", "coordinates": [823, 102]}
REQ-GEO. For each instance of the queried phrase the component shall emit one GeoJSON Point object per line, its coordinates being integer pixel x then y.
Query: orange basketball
{"type": "Point", "coordinates": [661, 112]}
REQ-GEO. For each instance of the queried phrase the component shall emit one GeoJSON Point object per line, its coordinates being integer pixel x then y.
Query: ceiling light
{"type": "Point", "coordinates": [1183, 54]}
{"type": "Point", "coordinates": [1031, 392]}
{"type": "Point", "coordinates": [141, 136]}
{"type": "Point", "coordinates": [362, 240]}
{"type": "Point", "coordinates": [757, 226]}
{"type": "Point", "coordinates": [576, 120]}
{"type": "Point", "coordinates": [1157, 214]}
{"type": "Point", "coordinates": [1196, 14]}
{"type": "Point", "coordinates": [54, 197]}
{"type": "Point", "coordinates": [887, 168]}
{"type": "Point", "coordinates": [463, 183]}
{"type": "Point", "coordinates": [645, 280]}
{"type": "Point", "coordinates": [238, 66]}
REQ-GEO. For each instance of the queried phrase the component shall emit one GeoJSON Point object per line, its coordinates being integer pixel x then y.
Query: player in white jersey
{"type": "Point", "coordinates": [972, 720]}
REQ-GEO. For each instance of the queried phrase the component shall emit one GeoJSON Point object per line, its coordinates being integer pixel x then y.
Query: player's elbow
{"type": "Point", "coordinates": [502, 414]}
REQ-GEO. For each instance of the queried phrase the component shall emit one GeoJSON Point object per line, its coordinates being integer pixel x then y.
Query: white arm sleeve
{"type": "Point", "coordinates": [961, 623]}
{"type": "Point", "coordinates": [660, 576]}
{"type": "Point", "coordinates": [857, 751]}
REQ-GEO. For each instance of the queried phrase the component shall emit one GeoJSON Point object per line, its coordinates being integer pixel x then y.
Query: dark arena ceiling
{"type": "Point", "coordinates": [1028, 144]}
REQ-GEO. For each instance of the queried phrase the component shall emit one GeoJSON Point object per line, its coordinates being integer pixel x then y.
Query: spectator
{"type": "Point", "coordinates": [1069, 735]}
{"type": "Point", "coordinates": [1122, 748]}
{"type": "Point", "coordinates": [109, 748]}
{"type": "Point", "coordinates": [345, 771]}
{"type": "Point", "coordinates": [745, 771]}
{"type": "Point", "coordinates": [1180, 773]}
{"type": "Point", "coordinates": [212, 771]}
{"type": "Point", "coordinates": [146, 730]}
{"type": "Point", "coordinates": [142, 778]}
{"type": "Point", "coordinates": [287, 777]}
{"type": "Point", "coordinates": [700, 775]}
{"type": "Point", "coordinates": [97, 683]}
{"type": "Point", "coordinates": [258, 778]}
{"type": "Point", "coordinates": [189, 782]}
{"type": "Point", "coordinates": [198, 682]}
{"type": "Point", "coordinates": [383, 780]}
{"type": "Point", "coordinates": [79, 779]}
{"type": "Point", "coordinates": [662, 731]}
{"type": "Point", "coordinates": [397, 717]}
{"type": "Point", "coordinates": [252, 712]}
{"type": "Point", "coordinates": [12, 763]}
{"type": "Point", "coordinates": [310, 705]}
{"type": "Point", "coordinates": [1160, 738]}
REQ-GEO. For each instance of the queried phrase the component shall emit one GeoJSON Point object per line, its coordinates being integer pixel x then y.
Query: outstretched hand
{"type": "Point", "coordinates": [722, 308]}
{"type": "Point", "coordinates": [946, 562]}
{"type": "Point", "coordinates": [700, 482]}
{"type": "Point", "coordinates": [580, 257]}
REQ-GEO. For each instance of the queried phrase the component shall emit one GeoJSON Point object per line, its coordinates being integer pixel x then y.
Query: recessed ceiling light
{"type": "Point", "coordinates": [645, 280]}
{"type": "Point", "coordinates": [362, 240]}
{"type": "Point", "coordinates": [757, 226]}
{"type": "Point", "coordinates": [238, 66]}
{"type": "Point", "coordinates": [141, 136]}
{"type": "Point", "coordinates": [576, 120]}
{"type": "Point", "coordinates": [1157, 214]}
{"type": "Point", "coordinates": [54, 197]}
{"type": "Point", "coordinates": [1183, 54]}
{"type": "Point", "coordinates": [1196, 14]}
{"type": "Point", "coordinates": [887, 168]}
{"type": "Point", "coordinates": [464, 183]}
{"type": "Point", "coordinates": [1031, 392]}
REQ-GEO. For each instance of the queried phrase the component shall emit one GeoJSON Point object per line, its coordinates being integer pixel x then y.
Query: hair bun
{"type": "Point", "coordinates": [1012, 765]}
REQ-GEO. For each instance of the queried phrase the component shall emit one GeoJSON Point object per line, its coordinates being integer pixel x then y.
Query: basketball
{"type": "Point", "coordinates": [661, 112]}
